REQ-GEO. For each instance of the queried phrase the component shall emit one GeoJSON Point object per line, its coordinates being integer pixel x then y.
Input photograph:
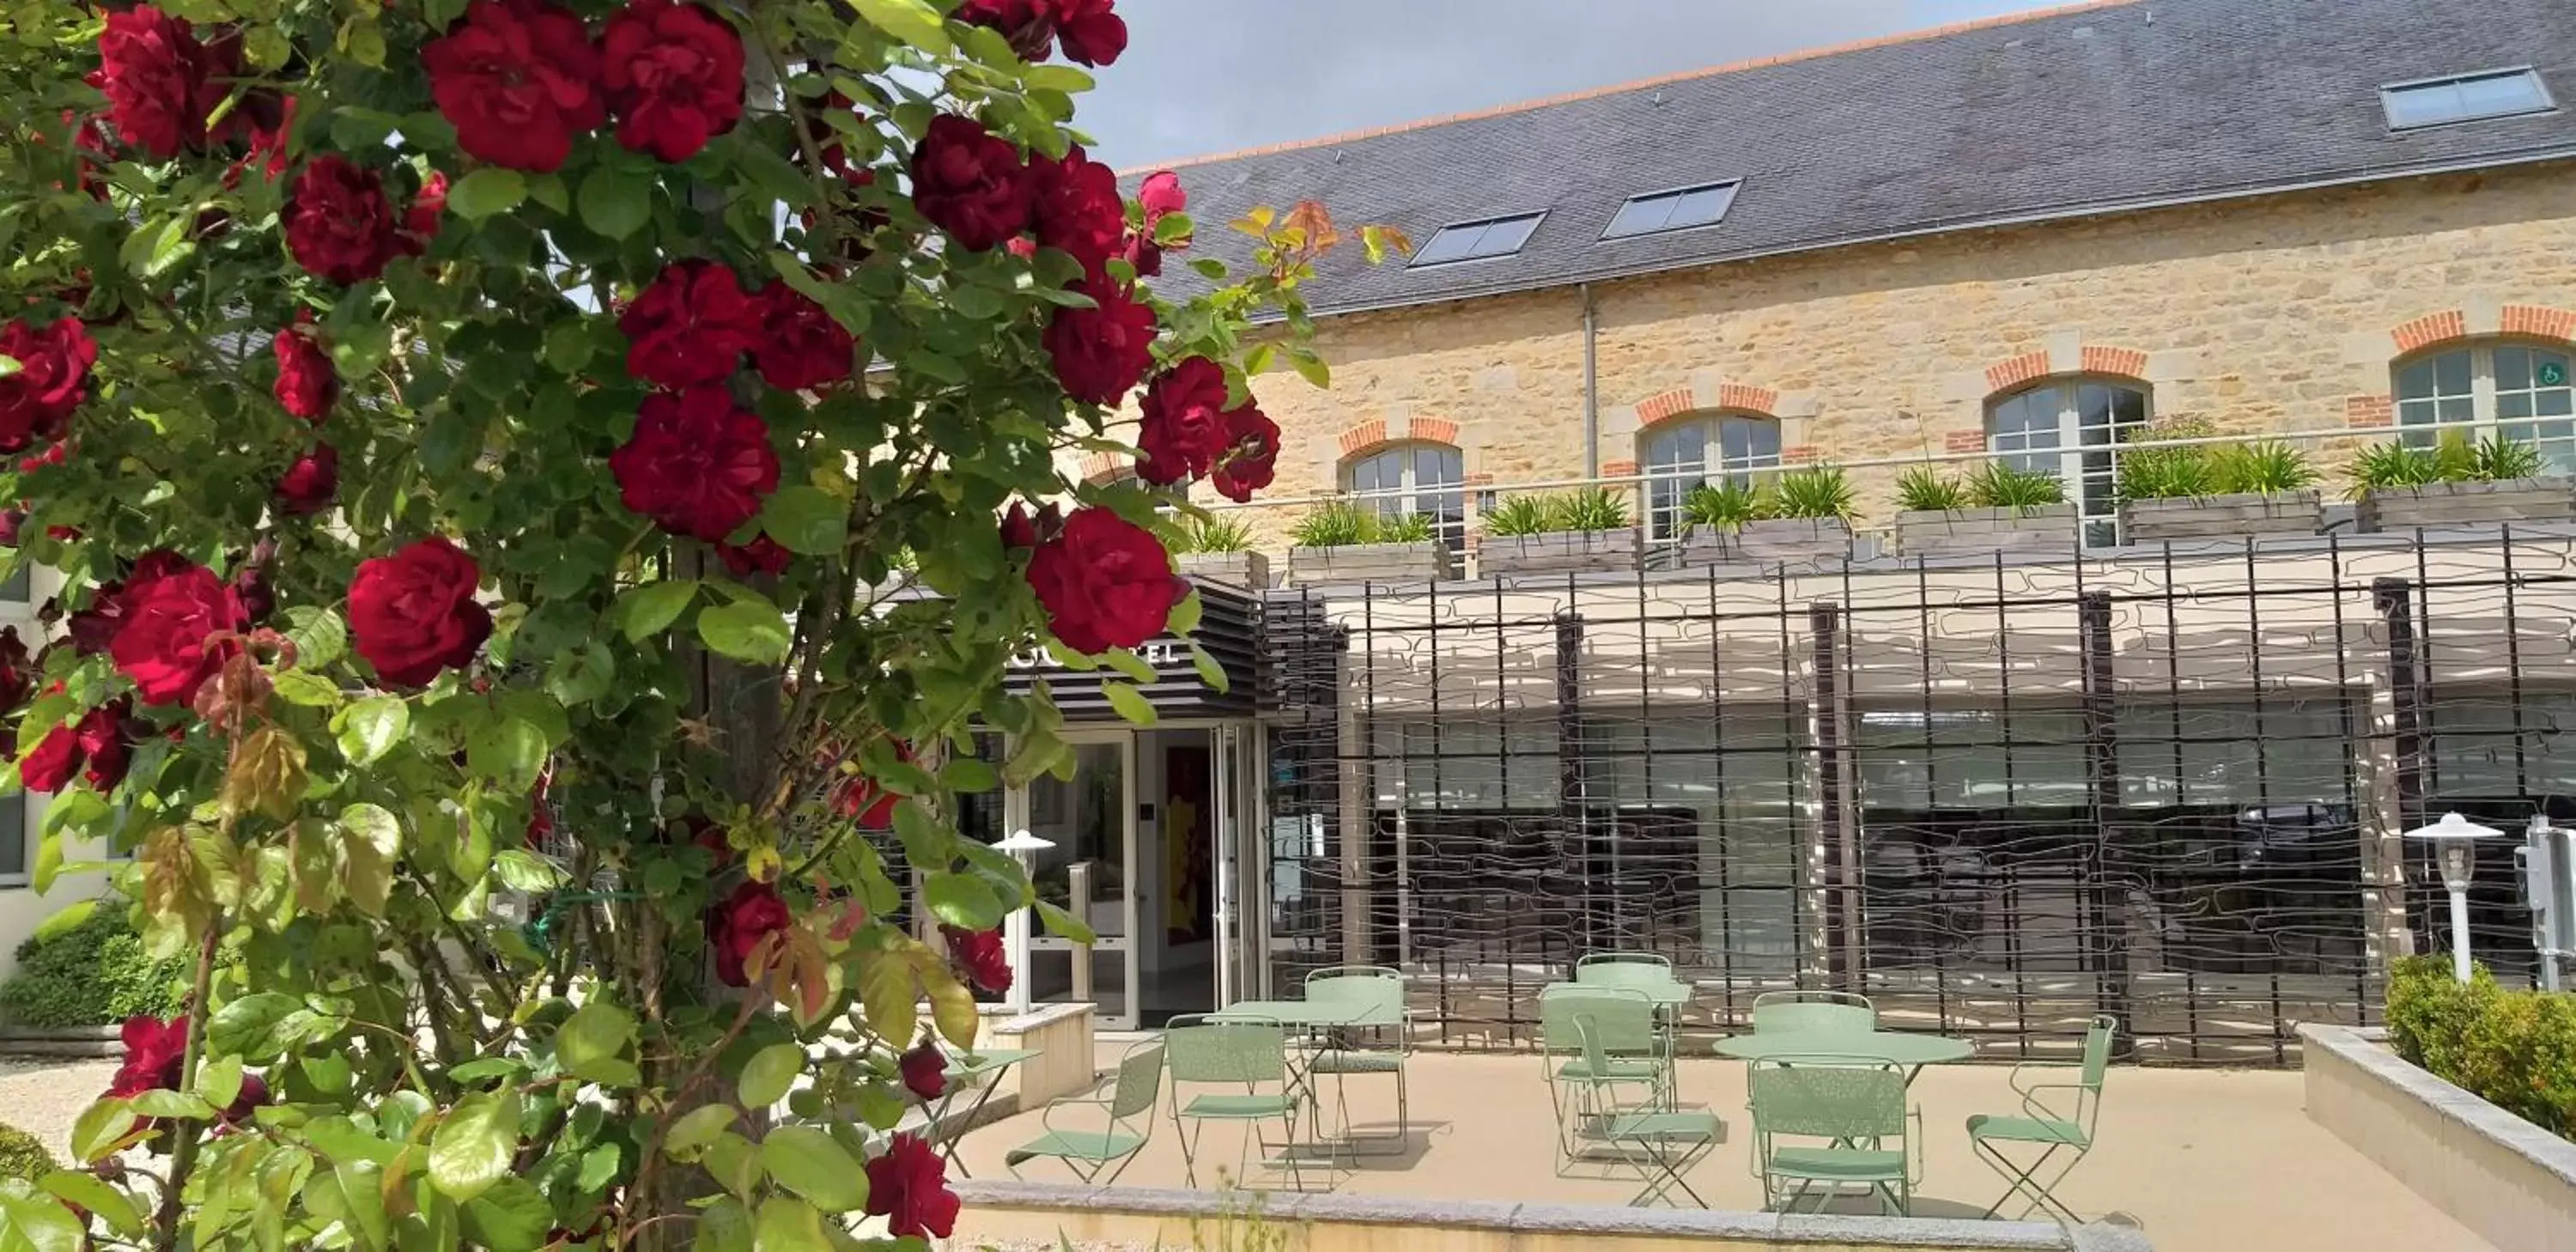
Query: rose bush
{"type": "Point", "coordinates": [531, 775]}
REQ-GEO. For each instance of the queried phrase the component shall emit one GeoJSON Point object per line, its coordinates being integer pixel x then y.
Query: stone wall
{"type": "Point", "coordinates": [2271, 314]}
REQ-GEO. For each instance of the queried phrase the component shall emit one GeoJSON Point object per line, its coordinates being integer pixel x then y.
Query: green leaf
{"type": "Point", "coordinates": [100, 1128]}
{"type": "Point", "coordinates": [773, 175]}
{"type": "Point", "coordinates": [370, 728]}
{"type": "Point", "coordinates": [733, 1161]}
{"type": "Point", "coordinates": [1125, 661]}
{"type": "Point", "coordinates": [889, 994]}
{"type": "Point", "coordinates": [306, 688]}
{"type": "Point", "coordinates": [651, 608]}
{"type": "Point", "coordinates": [512, 1216]}
{"type": "Point", "coordinates": [487, 191]}
{"type": "Point", "coordinates": [219, 1080]}
{"type": "Point", "coordinates": [814, 1165]}
{"type": "Point", "coordinates": [969, 775]}
{"type": "Point", "coordinates": [171, 1104]}
{"type": "Point", "coordinates": [879, 1108]}
{"type": "Point", "coordinates": [599, 1167]}
{"type": "Point", "coordinates": [1310, 367]}
{"type": "Point", "coordinates": [1064, 925]}
{"type": "Point", "coordinates": [593, 1044]}
{"type": "Point", "coordinates": [1210, 672]}
{"type": "Point", "coordinates": [806, 520]}
{"type": "Point", "coordinates": [507, 750]}
{"type": "Point", "coordinates": [32, 1221]}
{"type": "Point", "coordinates": [85, 1190]}
{"type": "Point", "coordinates": [548, 190]}
{"type": "Point", "coordinates": [1130, 703]}
{"type": "Point", "coordinates": [697, 1129]}
{"type": "Point", "coordinates": [962, 900]}
{"type": "Point", "coordinates": [10, 365]}
{"type": "Point", "coordinates": [473, 1145]}
{"type": "Point", "coordinates": [771, 1071]}
{"type": "Point", "coordinates": [568, 345]}
{"type": "Point", "coordinates": [724, 1226]}
{"type": "Point", "coordinates": [753, 632]}
{"type": "Point", "coordinates": [522, 870]}
{"type": "Point", "coordinates": [1062, 78]}
{"type": "Point", "coordinates": [912, 21]}
{"type": "Point", "coordinates": [253, 1027]}
{"type": "Point", "coordinates": [319, 636]}
{"type": "Point", "coordinates": [67, 921]}
{"type": "Point", "coordinates": [1185, 615]}
{"type": "Point", "coordinates": [370, 847]}
{"type": "Point", "coordinates": [581, 674]}
{"type": "Point", "coordinates": [614, 203]}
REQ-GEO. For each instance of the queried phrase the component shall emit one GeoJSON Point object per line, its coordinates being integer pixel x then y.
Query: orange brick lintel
{"type": "Point", "coordinates": [2539, 321]}
{"type": "Point", "coordinates": [2430, 329]}
{"type": "Point", "coordinates": [2004, 375]}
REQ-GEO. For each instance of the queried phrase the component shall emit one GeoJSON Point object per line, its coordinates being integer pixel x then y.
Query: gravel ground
{"type": "Point", "coordinates": [43, 1097]}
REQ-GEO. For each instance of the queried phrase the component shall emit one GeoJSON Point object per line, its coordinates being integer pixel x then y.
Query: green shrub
{"type": "Point", "coordinates": [2453, 459]}
{"type": "Point", "coordinates": [1924, 490]}
{"type": "Point", "coordinates": [1819, 491]}
{"type": "Point", "coordinates": [2500, 459]}
{"type": "Point", "coordinates": [1520, 515]}
{"type": "Point", "coordinates": [2514, 1049]}
{"type": "Point", "coordinates": [1215, 535]}
{"type": "Point", "coordinates": [1997, 485]}
{"type": "Point", "coordinates": [94, 974]}
{"type": "Point", "coordinates": [2394, 465]}
{"type": "Point", "coordinates": [1591, 509]}
{"type": "Point", "coordinates": [23, 1156]}
{"type": "Point", "coordinates": [1337, 524]}
{"type": "Point", "coordinates": [1410, 528]}
{"type": "Point", "coordinates": [1726, 505]}
{"type": "Point", "coordinates": [2268, 468]}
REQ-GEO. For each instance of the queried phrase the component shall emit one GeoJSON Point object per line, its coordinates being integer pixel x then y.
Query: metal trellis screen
{"type": "Point", "coordinates": [1997, 796]}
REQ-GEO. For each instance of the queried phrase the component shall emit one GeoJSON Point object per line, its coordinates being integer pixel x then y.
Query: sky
{"type": "Point", "coordinates": [1208, 76]}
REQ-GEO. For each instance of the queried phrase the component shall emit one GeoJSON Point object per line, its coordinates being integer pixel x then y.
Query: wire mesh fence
{"type": "Point", "coordinates": [1997, 795]}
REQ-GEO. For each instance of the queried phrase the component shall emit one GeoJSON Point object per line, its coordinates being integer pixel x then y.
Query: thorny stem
{"type": "Point", "coordinates": [649, 1174]}
{"type": "Point", "coordinates": [183, 1156]}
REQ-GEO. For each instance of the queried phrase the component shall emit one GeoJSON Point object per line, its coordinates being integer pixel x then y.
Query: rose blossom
{"type": "Point", "coordinates": [674, 74]}
{"type": "Point", "coordinates": [1105, 582]}
{"type": "Point", "coordinates": [970, 183]}
{"type": "Point", "coordinates": [155, 1053]}
{"type": "Point", "coordinates": [763, 555]}
{"type": "Point", "coordinates": [166, 628]}
{"type": "Point", "coordinates": [518, 79]}
{"type": "Point", "coordinates": [161, 82]}
{"type": "Point", "coordinates": [801, 346]}
{"type": "Point", "coordinates": [924, 1070]}
{"type": "Point", "coordinates": [696, 464]}
{"type": "Point", "coordinates": [338, 224]}
{"type": "Point", "coordinates": [1183, 427]}
{"type": "Point", "coordinates": [736, 927]}
{"type": "Point", "coordinates": [94, 626]}
{"type": "Point", "coordinates": [908, 1186]}
{"type": "Point", "coordinates": [1159, 197]}
{"type": "Point", "coordinates": [306, 382]}
{"type": "Point", "coordinates": [52, 379]}
{"type": "Point", "coordinates": [309, 485]}
{"type": "Point", "coordinates": [1089, 31]}
{"type": "Point", "coordinates": [690, 326]}
{"type": "Point", "coordinates": [413, 614]}
{"type": "Point", "coordinates": [979, 954]}
{"type": "Point", "coordinates": [1252, 454]}
{"type": "Point", "coordinates": [1101, 352]}
{"type": "Point", "coordinates": [96, 747]}
{"type": "Point", "coordinates": [421, 221]}
{"type": "Point", "coordinates": [1076, 208]}
{"type": "Point", "coordinates": [17, 671]}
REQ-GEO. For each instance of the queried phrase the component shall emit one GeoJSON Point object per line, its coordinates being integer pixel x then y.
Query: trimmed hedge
{"type": "Point", "coordinates": [95, 974]}
{"type": "Point", "coordinates": [2514, 1049]}
{"type": "Point", "coordinates": [23, 1155]}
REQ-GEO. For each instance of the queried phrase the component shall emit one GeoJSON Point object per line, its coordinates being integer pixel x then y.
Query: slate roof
{"type": "Point", "coordinates": [2088, 109]}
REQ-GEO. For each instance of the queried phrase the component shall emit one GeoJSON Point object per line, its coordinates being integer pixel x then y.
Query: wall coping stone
{"type": "Point", "coordinates": [2366, 1049]}
{"type": "Point", "coordinates": [1040, 1015]}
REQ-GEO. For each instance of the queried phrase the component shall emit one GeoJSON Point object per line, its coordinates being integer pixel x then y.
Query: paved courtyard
{"type": "Point", "coordinates": [2202, 1160]}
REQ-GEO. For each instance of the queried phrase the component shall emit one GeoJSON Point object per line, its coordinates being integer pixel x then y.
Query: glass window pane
{"type": "Point", "coordinates": [2415, 382]}
{"type": "Point", "coordinates": [1640, 216]}
{"type": "Point", "coordinates": [13, 836]}
{"type": "Point", "coordinates": [2555, 402]}
{"type": "Point", "coordinates": [1453, 243]}
{"type": "Point", "coordinates": [1702, 207]}
{"type": "Point", "coordinates": [2499, 94]}
{"type": "Point", "coordinates": [1505, 237]}
{"type": "Point", "coordinates": [1682, 445]}
{"type": "Point", "coordinates": [2513, 404]}
{"type": "Point", "coordinates": [2513, 368]}
{"type": "Point", "coordinates": [2459, 410]}
{"type": "Point", "coordinates": [2451, 373]}
{"type": "Point", "coordinates": [16, 587]}
{"type": "Point", "coordinates": [2428, 105]}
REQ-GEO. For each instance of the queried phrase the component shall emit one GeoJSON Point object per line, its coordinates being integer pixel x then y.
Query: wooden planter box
{"type": "Point", "coordinates": [1573, 551]}
{"type": "Point", "coordinates": [1371, 563]}
{"type": "Point", "coordinates": [2222, 517]}
{"type": "Point", "coordinates": [2456, 504]}
{"type": "Point", "coordinates": [1249, 570]}
{"type": "Point", "coordinates": [1941, 532]}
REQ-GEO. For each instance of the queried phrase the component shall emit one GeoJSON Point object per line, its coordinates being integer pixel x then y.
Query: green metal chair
{"type": "Point", "coordinates": [2057, 1117]}
{"type": "Point", "coordinates": [1381, 991]}
{"type": "Point", "coordinates": [1854, 1105]}
{"type": "Point", "coordinates": [1624, 969]}
{"type": "Point", "coordinates": [1798, 1012]}
{"type": "Point", "coordinates": [1128, 1122]}
{"type": "Point", "coordinates": [1658, 1142]}
{"type": "Point", "coordinates": [1243, 1058]}
{"type": "Point", "coordinates": [1594, 1042]}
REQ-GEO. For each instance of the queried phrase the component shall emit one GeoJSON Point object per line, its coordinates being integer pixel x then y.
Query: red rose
{"type": "Point", "coordinates": [737, 925]}
{"type": "Point", "coordinates": [11, 522]}
{"type": "Point", "coordinates": [267, 145]}
{"type": "Point", "coordinates": [309, 485]}
{"type": "Point", "coordinates": [421, 221]}
{"type": "Point", "coordinates": [17, 671]}
{"type": "Point", "coordinates": [1160, 195]}
{"type": "Point", "coordinates": [1100, 352]}
{"type": "Point", "coordinates": [801, 346]}
{"type": "Point", "coordinates": [674, 75]}
{"type": "Point", "coordinates": [861, 800]}
{"type": "Point", "coordinates": [165, 632]}
{"type": "Point", "coordinates": [251, 586]}
{"type": "Point", "coordinates": [690, 326]}
{"type": "Point", "coordinates": [161, 83]}
{"type": "Point", "coordinates": [338, 223]}
{"type": "Point", "coordinates": [92, 152]}
{"type": "Point", "coordinates": [763, 555]}
{"type": "Point", "coordinates": [155, 1054]}
{"type": "Point", "coordinates": [106, 744]}
{"type": "Point", "coordinates": [52, 379]}
{"type": "Point", "coordinates": [696, 464]}
{"type": "Point", "coordinates": [306, 383]}
{"type": "Point", "coordinates": [1105, 581]}
{"type": "Point", "coordinates": [1020, 21]}
{"type": "Point", "coordinates": [1088, 30]}
{"type": "Point", "coordinates": [1022, 530]}
{"type": "Point", "coordinates": [1252, 456]}
{"type": "Point", "coordinates": [1183, 431]}
{"type": "Point", "coordinates": [253, 1093]}
{"type": "Point", "coordinates": [1076, 208]}
{"type": "Point", "coordinates": [49, 765]}
{"type": "Point", "coordinates": [979, 953]}
{"type": "Point", "coordinates": [413, 614]}
{"type": "Point", "coordinates": [518, 79]}
{"type": "Point", "coordinates": [970, 183]}
{"type": "Point", "coordinates": [908, 1186]}
{"type": "Point", "coordinates": [924, 1070]}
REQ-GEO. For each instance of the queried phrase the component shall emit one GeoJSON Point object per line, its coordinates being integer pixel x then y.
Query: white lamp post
{"type": "Point", "coordinates": [2454, 840]}
{"type": "Point", "coordinates": [1023, 847]}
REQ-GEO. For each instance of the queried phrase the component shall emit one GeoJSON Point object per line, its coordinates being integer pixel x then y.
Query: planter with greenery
{"type": "Point", "coordinates": [2203, 491]}
{"type": "Point", "coordinates": [1578, 532]}
{"type": "Point", "coordinates": [1998, 508]}
{"type": "Point", "coordinates": [1800, 515]}
{"type": "Point", "coordinates": [1218, 549]}
{"type": "Point", "coordinates": [78, 978]}
{"type": "Point", "coordinates": [2456, 482]}
{"type": "Point", "coordinates": [1347, 541]}
{"type": "Point", "coordinates": [2514, 1049]}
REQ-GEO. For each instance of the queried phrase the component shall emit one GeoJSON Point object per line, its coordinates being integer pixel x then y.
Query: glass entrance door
{"type": "Point", "coordinates": [1242, 911]}
{"type": "Point", "coordinates": [1091, 820]}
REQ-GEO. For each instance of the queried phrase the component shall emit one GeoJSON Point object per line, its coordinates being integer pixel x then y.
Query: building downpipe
{"type": "Point", "coordinates": [1591, 386]}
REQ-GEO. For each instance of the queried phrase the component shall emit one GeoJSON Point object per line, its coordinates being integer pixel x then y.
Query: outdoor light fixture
{"type": "Point", "coordinates": [2454, 840]}
{"type": "Point", "coordinates": [1024, 848]}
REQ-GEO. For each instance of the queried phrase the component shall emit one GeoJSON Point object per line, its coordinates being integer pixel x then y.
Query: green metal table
{"type": "Point", "coordinates": [970, 1067]}
{"type": "Point", "coordinates": [1328, 1017]}
{"type": "Point", "coordinates": [1666, 996]}
{"type": "Point", "coordinates": [1910, 1051]}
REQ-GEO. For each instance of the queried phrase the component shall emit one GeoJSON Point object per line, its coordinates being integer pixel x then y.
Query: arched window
{"type": "Point", "coordinates": [1683, 453]}
{"type": "Point", "coordinates": [2530, 390]}
{"type": "Point", "coordinates": [1424, 478]}
{"type": "Point", "coordinates": [2071, 427]}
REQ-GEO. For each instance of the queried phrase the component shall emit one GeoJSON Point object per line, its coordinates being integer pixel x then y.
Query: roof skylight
{"type": "Point", "coordinates": [2464, 98]}
{"type": "Point", "coordinates": [1472, 241]}
{"type": "Point", "coordinates": [1679, 209]}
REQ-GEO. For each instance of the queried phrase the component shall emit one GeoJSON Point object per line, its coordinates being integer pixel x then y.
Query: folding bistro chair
{"type": "Point", "coordinates": [1243, 1058]}
{"type": "Point", "coordinates": [2061, 1122]}
{"type": "Point", "coordinates": [1381, 991]}
{"type": "Point", "coordinates": [1623, 969]}
{"type": "Point", "coordinates": [1593, 1041]}
{"type": "Point", "coordinates": [1855, 1105]}
{"type": "Point", "coordinates": [1794, 1012]}
{"type": "Point", "coordinates": [1128, 1121]}
{"type": "Point", "coordinates": [1659, 1142]}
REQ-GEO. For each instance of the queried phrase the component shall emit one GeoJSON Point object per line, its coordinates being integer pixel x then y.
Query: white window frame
{"type": "Point", "coordinates": [2099, 526]}
{"type": "Point", "coordinates": [2414, 429]}
{"type": "Point", "coordinates": [22, 614]}
{"type": "Point", "coordinates": [1409, 492]}
{"type": "Point", "coordinates": [1536, 218]}
{"type": "Point", "coordinates": [1663, 521]}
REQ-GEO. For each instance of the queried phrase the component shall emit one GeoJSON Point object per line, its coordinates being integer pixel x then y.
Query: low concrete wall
{"type": "Point", "coordinates": [92, 1041]}
{"type": "Point", "coordinates": [1039, 1214]}
{"type": "Point", "coordinates": [2501, 1176]}
{"type": "Point", "coordinates": [1061, 1035]}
